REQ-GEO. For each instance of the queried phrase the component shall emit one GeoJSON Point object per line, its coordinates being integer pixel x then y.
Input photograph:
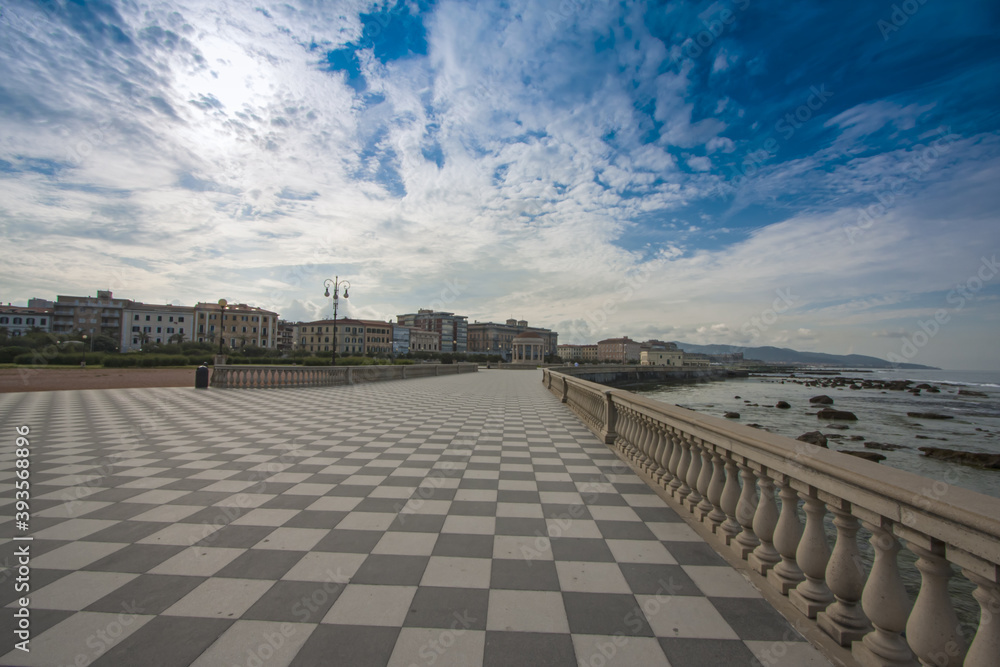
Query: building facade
{"type": "Point", "coordinates": [147, 323]}
{"type": "Point", "coordinates": [622, 350]}
{"type": "Point", "coordinates": [94, 316]}
{"type": "Point", "coordinates": [286, 336]}
{"type": "Point", "coordinates": [453, 329]}
{"type": "Point", "coordinates": [400, 340]}
{"type": "Point", "coordinates": [354, 337]}
{"type": "Point", "coordinates": [239, 325]}
{"type": "Point", "coordinates": [424, 341]}
{"type": "Point", "coordinates": [494, 338]}
{"type": "Point", "coordinates": [577, 353]}
{"type": "Point", "coordinates": [19, 320]}
{"type": "Point", "coordinates": [673, 357]}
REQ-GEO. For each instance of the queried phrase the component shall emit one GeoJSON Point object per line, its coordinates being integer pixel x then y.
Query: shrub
{"type": "Point", "coordinates": [145, 360]}
{"type": "Point", "coordinates": [7, 354]}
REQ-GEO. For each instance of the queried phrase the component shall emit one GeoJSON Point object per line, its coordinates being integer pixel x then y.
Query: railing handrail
{"type": "Point", "coordinates": [868, 483]}
{"type": "Point", "coordinates": [713, 469]}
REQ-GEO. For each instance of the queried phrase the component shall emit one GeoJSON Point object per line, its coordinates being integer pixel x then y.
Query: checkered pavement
{"type": "Point", "coordinates": [458, 520]}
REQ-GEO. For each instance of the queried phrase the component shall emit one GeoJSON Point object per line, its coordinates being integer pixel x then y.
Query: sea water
{"type": "Point", "coordinates": [882, 415]}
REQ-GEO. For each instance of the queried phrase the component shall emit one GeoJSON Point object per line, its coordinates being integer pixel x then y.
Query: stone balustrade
{"type": "Point", "coordinates": [745, 486]}
{"type": "Point", "coordinates": [259, 377]}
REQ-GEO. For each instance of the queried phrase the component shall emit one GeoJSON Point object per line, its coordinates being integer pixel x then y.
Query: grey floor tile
{"type": "Point", "coordinates": [349, 541]}
{"type": "Point", "coordinates": [706, 652]}
{"type": "Point", "coordinates": [315, 519]}
{"type": "Point", "coordinates": [754, 619]}
{"type": "Point", "coordinates": [391, 570]}
{"type": "Point", "coordinates": [448, 607]}
{"type": "Point", "coordinates": [605, 614]}
{"type": "Point", "coordinates": [656, 579]}
{"type": "Point", "coordinates": [625, 530]}
{"type": "Point", "coordinates": [149, 593]}
{"type": "Point", "coordinates": [165, 641]}
{"type": "Point", "coordinates": [517, 649]}
{"type": "Point", "coordinates": [418, 523]}
{"type": "Point", "coordinates": [136, 558]}
{"type": "Point", "coordinates": [261, 564]}
{"type": "Point", "coordinates": [295, 602]}
{"type": "Point", "coordinates": [465, 546]}
{"type": "Point", "coordinates": [348, 645]}
{"type": "Point", "coordinates": [527, 575]}
{"type": "Point", "coordinates": [694, 553]}
{"type": "Point", "coordinates": [513, 525]}
{"type": "Point", "coordinates": [289, 502]}
{"type": "Point", "coordinates": [581, 548]}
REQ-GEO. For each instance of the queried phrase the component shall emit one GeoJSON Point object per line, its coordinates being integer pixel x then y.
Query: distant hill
{"type": "Point", "coordinates": [784, 355]}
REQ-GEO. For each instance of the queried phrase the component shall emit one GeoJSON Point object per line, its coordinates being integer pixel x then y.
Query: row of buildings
{"type": "Point", "coordinates": [624, 350]}
{"type": "Point", "coordinates": [134, 324]}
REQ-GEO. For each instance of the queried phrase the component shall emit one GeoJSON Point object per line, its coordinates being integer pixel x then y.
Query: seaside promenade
{"type": "Point", "coordinates": [461, 520]}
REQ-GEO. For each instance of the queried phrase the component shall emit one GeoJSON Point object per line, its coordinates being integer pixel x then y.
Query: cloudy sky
{"type": "Point", "coordinates": [818, 175]}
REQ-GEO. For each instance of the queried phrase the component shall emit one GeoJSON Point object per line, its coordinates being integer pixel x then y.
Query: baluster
{"type": "Point", "coordinates": [985, 648]}
{"type": "Point", "coordinates": [786, 575]}
{"type": "Point", "coordinates": [715, 487]}
{"type": "Point", "coordinates": [646, 437]}
{"type": "Point", "coordinates": [886, 603]}
{"type": "Point", "coordinates": [812, 596]}
{"type": "Point", "coordinates": [663, 452]}
{"type": "Point", "coordinates": [932, 629]}
{"type": "Point", "coordinates": [765, 556]}
{"type": "Point", "coordinates": [746, 541]}
{"type": "Point", "coordinates": [682, 469]}
{"type": "Point", "coordinates": [704, 506]}
{"type": "Point", "coordinates": [676, 454]}
{"type": "Point", "coordinates": [632, 436]}
{"type": "Point", "coordinates": [730, 500]}
{"type": "Point", "coordinates": [844, 620]}
{"type": "Point", "coordinates": [624, 432]}
{"type": "Point", "coordinates": [694, 471]}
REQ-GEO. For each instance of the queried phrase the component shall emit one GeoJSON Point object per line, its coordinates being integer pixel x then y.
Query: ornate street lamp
{"type": "Point", "coordinates": [336, 298]}
{"type": "Point", "coordinates": [222, 329]}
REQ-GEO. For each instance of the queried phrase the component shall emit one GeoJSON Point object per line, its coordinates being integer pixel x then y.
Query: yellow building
{"type": "Point", "coordinates": [240, 325]}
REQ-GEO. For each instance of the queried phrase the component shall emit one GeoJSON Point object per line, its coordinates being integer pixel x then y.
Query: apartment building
{"type": "Point", "coordinates": [619, 350]}
{"type": "Point", "coordinates": [239, 325]}
{"type": "Point", "coordinates": [19, 320]}
{"type": "Point", "coordinates": [495, 338]}
{"type": "Point", "coordinates": [452, 328]}
{"type": "Point", "coordinates": [94, 316]}
{"type": "Point", "coordinates": [147, 323]}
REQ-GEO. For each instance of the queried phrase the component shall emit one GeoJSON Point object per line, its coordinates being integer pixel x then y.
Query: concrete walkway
{"type": "Point", "coordinates": [458, 520]}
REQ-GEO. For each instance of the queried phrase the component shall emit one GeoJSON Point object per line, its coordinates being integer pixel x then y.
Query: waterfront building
{"type": "Point", "coordinates": [618, 350]}
{"type": "Point", "coordinates": [94, 316]}
{"type": "Point", "coordinates": [400, 340]}
{"type": "Point", "coordinates": [240, 325]}
{"type": "Point", "coordinates": [452, 328]}
{"type": "Point", "coordinates": [286, 336]}
{"type": "Point", "coordinates": [19, 320]}
{"type": "Point", "coordinates": [424, 341]}
{"type": "Point", "coordinates": [147, 323]}
{"type": "Point", "coordinates": [354, 337]}
{"type": "Point", "coordinates": [494, 338]}
{"type": "Point", "coordinates": [672, 357]}
{"type": "Point", "coordinates": [577, 353]}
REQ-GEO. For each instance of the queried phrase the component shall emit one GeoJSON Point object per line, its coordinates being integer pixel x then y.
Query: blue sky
{"type": "Point", "coordinates": [820, 175]}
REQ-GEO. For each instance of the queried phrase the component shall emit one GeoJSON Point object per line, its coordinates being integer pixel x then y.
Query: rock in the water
{"type": "Point", "coordinates": [732, 415]}
{"type": "Point", "coordinates": [782, 404]}
{"type": "Point", "coordinates": [989, 461]}
{"type": "Point", "coordinates": [884, 446]}
{"type": "Point", "coordinates": [735, 396]}
{"type": "Point", "coordinates": [857, 438]}
{"type": "Point", "coordinates": [813, 438]}
{"type": "Point", "coordinates": [869, 456]}
{"type": "Point", "coordinates": [969, 392]}
{"type": "Point", "coordinates": [838, 427]}
{"type": "Point", "coordinates": [822, 399]}
{"type": "Point", "coordinates": [928, 415]}
{"type": "Point", "coordinates": [923, 385]}
{"type": "Point", "coordinates": [840, 415]}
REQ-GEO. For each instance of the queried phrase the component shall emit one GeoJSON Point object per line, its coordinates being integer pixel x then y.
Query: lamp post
{"type": "Point", "coordinates": [336, 282]}
{"type": "Point", "coordinates": [222, 329]}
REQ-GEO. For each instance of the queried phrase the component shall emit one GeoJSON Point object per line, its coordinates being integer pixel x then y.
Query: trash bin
{"type": "Point", "coordinates": [201, 377]}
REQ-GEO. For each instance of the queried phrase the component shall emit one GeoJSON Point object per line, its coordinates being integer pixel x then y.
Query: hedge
{"type": "Point", "coordinates": [45, 358]}
{"type": "Point", "coordinates": [7, 354]}
{"type": "Point", "coordinates": [145, 360]}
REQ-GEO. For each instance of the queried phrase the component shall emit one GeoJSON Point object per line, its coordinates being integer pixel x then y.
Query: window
{"type": "Point", "coordinates": [171, 318]}
{"type": "Point", "coordinates": [135, 317]}
{"type": "Point", "coordinates": [159, 318]}
{"type": "Point", "coordinates": [135, 341]}
{"type": "Point", "coordinates": [255, 330]}
{"type": "Point", "coordinates": [135, 328]}
{"type": "Point", "coordinates": [159, 330]}
{"type": "Point", "coordinates": [180, 318]}
{"type": "Point", "coordinates": [211, 329]}
{"type": "Point", "coordinates": [244, 329]}
{"type": "Point", "coordinates": [42, 321]}
{"type": "Point", "coordinates": [17, 320]}
{"type": "Point", "coordinates": [4, 320]}
{"type": "Point", "coordinates": [170, 329]}
{"type": "Point", "coordinates": [158, 340]}
{"type": "Point", "coordinates": [29, 320]}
